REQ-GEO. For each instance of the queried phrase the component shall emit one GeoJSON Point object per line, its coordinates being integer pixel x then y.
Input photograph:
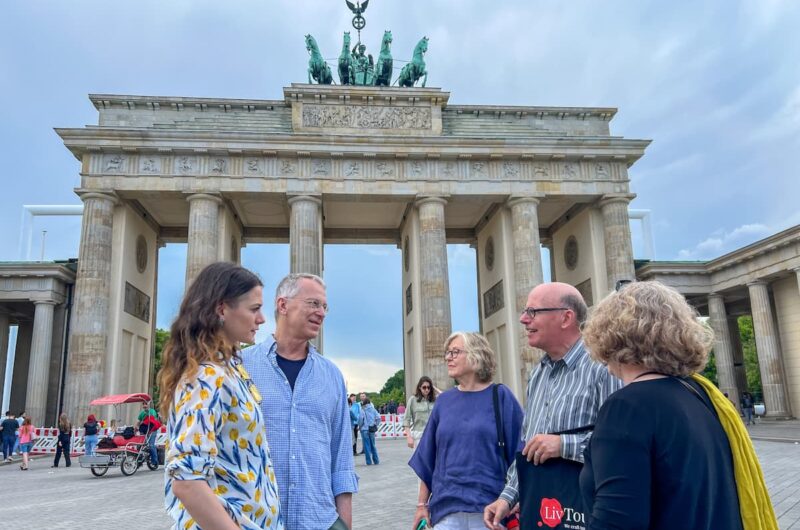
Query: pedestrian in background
{"type": "Point", "coordinates": [418, 411]}
{"type": "Point", "coordinates": [748, 407]}
{"type": "Point", "coordinates": [20, 420]}
{"type": "Point", "coordinates": [9, 428]}
{"type": "Point", "coordinates": [368, 425]}
{"type": "Point", "coordinates": [355, 412]}
{"type": "Point", "coordinates": [26, 436]}
{"type": "Point", "coordinates": [90, 432]}
{"type": "Point", "coordinates": [64, 438]}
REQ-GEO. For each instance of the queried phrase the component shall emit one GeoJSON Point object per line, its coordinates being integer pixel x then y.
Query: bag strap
{"type": "Point", "coordinates": [696, 392]}
{"type": "Point", "coordinates": [498, 420]}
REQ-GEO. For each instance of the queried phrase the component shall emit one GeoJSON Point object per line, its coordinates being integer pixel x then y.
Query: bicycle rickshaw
{"type": "Point", "coordinates": [128, 454]}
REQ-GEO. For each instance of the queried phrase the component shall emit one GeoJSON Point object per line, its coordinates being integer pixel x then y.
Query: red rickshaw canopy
{"type": "Point", "coordinates": [119, 399]}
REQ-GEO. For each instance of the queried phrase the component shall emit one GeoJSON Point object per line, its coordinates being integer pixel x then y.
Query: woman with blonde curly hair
{"type": "Point", "coordinates": [218, 468]}
{"type": "Point", "coordinates": [458, 460]}
{"type": "Point", "coordinates": [667, 450]}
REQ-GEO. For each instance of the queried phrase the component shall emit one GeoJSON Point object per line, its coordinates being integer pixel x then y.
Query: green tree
{"type": "Point", "coordinates": [397, 381]}
{"type": "Point", "coordinates": [710, 371]}
{"type": "Point", "coordinates": [393, 390]}
{"type": "Point", "coordinates": [162, 336]}
{"type": "Point", "coordinates": [748, 339]}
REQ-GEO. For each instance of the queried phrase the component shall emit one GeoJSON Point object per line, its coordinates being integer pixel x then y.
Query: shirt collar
{"type": "Point", "coordinates": [272, 349]}
{"type": "Point", "coordinates": [570, 358]}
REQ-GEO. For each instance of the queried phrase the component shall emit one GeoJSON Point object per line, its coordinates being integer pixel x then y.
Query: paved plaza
{"type": "Point", "coordinates": [71, 498]}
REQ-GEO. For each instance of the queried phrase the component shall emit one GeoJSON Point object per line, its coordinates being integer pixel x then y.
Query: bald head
{"type": "Point", "coordinates": [557, 323]}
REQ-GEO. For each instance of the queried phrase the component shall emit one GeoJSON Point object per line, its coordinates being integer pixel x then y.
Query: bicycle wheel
{"type": "Point", "coordinates": [99, 471]}
{"type": "Point", "coordinates": [128, 465]}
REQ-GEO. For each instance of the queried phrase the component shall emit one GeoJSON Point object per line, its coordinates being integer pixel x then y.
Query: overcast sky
{"type": "Point", "coordinates": [714, 84]}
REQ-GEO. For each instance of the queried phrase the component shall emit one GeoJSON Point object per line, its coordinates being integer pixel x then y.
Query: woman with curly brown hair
{"type": "Point", "coordinates": [218, 468]}
{"type": "Point", "coordinates": [667, 450]}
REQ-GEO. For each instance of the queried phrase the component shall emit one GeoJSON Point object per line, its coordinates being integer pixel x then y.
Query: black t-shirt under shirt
{"type": "Point", "coordinates": [291, 369]}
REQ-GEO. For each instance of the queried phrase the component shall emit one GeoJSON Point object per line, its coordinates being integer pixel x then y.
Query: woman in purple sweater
{"type": "Point", "coordinates": [459, 460]}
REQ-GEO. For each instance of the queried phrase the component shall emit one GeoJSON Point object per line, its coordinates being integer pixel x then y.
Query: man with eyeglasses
{"type": "Point", "coordinates": [565, 390]}
{"type": "Point", "coordinates": [306, 411]}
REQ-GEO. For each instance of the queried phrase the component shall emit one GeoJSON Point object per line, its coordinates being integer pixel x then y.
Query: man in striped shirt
{"type": "Point", "coordinates": [565, 390]}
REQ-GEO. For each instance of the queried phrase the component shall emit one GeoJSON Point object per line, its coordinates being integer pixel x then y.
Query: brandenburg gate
{"type": "Point", "coordinates": [342, 164]}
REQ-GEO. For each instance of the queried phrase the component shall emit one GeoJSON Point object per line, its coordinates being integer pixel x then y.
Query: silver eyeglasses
{"type": "Point", "coordinates": [314, 304]}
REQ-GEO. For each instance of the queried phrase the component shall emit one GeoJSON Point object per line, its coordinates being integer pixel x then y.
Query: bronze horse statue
{"type": "Point", "coordinates": [346, 74]}
{"type": "Point", "coordinates": [383, 68]}
{"type": "Point", "coordinates": [412, 71]}
{"type": "Point", "coordinates": [318, 69]}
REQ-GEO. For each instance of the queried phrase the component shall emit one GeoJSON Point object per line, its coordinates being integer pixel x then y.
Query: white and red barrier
{"type": "Point", "coordinates": [47, 440]}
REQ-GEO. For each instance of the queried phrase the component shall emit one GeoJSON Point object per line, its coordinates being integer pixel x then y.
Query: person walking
{"type": "Point", "coordinates": [90, 432]}
{"type": "Point", "coordinates": [8, 432]}
{"type": "Point", "coordinates": [355, 412]}
{"type": "Point", "coordinates": [64, 439]}
{"type": "Point", "coordinates": [218, 470]}
{"type": "Point", "coordinates": [20, 420]}
{"type": "Point", "coordinates": [418, 411]}
{"type": "Point", "coordinates": [669, 449]}
{"type": "Point", "coordinates": [748, 407]}
{"type": "Point", "coordinates": [461, 459]}
{"type": "Point", "coordinates": [26, 436]}
{"type": "Point", "coordinates": [368, 422]}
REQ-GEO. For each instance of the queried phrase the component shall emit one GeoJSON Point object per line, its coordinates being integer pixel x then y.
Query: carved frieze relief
{"type": "Point", "coordinates": [219, 165]}
{"type": "Point", "coordinates": [185, 164]}
{"type": "Point", "coordinates": [385, 169]}
{"type": "Point", "coordinates": [252, 166]}
{"type": "Point", "coordinates": [149, 164]}
{"type": "Point", "coordinates": [115, 163]}
{"type": "Point", "coordinates": [320, 168]}
{"type": "Point", "coordinates": [365, 117]}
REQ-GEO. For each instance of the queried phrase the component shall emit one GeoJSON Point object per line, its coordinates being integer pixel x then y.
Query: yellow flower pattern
{"type": "Point", "coordinates": [216, 434]}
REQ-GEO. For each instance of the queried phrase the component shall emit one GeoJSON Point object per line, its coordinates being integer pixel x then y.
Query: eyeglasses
{"type": "Point", "coordinates": [314, 304]}
{"type": "Point", "coordinates": [455, 352]}
{"type": "Point", "coordinates": [621, 283]}
{"type": "Point", "coordinates": [425, 387]}
{"type": "Point", "coordinates": [531, 311]}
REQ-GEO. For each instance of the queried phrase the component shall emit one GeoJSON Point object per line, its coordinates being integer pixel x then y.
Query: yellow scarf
{"type": "Point", "coordinates": [754, 503]}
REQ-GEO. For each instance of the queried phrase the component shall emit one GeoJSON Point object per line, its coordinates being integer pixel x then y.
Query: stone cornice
{"type": "Point", "coordinates": [117, 140]}
{"type": "Point", "coordinates": [36, 270]}
{"type": "Point", "coordinates": [789, 236]}
{"type": "Point", "coordinates": [654, 268]}
{"type": "Point", "coordinates": [364, 94]}
{"type": "Point", "coordinates": [130, 102]}
{"type": "Point", "coordinates": [581, 113]}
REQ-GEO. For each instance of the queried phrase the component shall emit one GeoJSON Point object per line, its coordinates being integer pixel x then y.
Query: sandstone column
{"type": "Point", "coordinates": [617, 231]}
{"type": "Point", "coordinates": [770, 358]}
{"type": "Point", "coordinates": [434, 288]}
{"type": "Point", "coordinates": [39, 364]}
{"type": "Point", "coordinates": [88, 341]}
{"type": "Point", "coordinates": [739, 371]}
{"type": "Point", "coordinates": [5, 329]}
{"type": "Point", "coordinates": [527, 269]}
{"type": "Point", "coordinates": [305, 235]}
{"type": "Point", "coordinates": [797, 273]}
{"type": "Point", "coordinates": [203, 233]}
{"type": "Point", "coordinates": [723, 349]}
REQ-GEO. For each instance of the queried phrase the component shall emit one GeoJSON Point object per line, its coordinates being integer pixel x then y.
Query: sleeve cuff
{"type": "Point", "coordinates": [572, 446]}
{"type": "Point", "coordinates": [189, 467]}
{"type": "Point", "coordinates": [344, 482]}
{"type": "Point", "coordinates": [510, 495]}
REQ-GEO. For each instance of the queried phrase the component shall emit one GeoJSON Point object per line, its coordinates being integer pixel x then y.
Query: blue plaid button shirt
{"type": "Point", "coordinates": [309, 434]}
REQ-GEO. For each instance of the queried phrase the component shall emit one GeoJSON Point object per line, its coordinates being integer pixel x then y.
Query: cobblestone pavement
{"type": "Point", "coordinates": [46, 498]}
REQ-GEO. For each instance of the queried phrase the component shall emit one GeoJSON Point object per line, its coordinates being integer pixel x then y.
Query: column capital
{"type": "Point", "coordinates": [757, 282]}
{"type": "Point", "coordinates": [204, 196]}
{"type": "Point", "coordinates": [45, 302]}
{"type": "Point", "coordinates": [424, 199]}
{"type": "Point", "coordinates": [307, 198]}
{"type": "Point", "coordinates": [716, 296]}
{"type": "Point", "coordinates": [103, 195]}
{"type": "Point", "coordinates": [534, 199]}
{"type": "Point", "coordinates": [616, 197]}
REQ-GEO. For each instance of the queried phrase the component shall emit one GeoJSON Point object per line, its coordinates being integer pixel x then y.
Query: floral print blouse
{"type": "Point", "coordinates": [216, 433]}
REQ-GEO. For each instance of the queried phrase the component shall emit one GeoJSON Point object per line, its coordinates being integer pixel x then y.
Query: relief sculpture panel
{"type": "Point", "coordinates": [366, 117]}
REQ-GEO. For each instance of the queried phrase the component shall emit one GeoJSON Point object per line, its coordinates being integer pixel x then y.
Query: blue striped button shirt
{"type": "Point", "coordinates": [562, 395]}
{"type": "Point", "coordinates": [309, 434]}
